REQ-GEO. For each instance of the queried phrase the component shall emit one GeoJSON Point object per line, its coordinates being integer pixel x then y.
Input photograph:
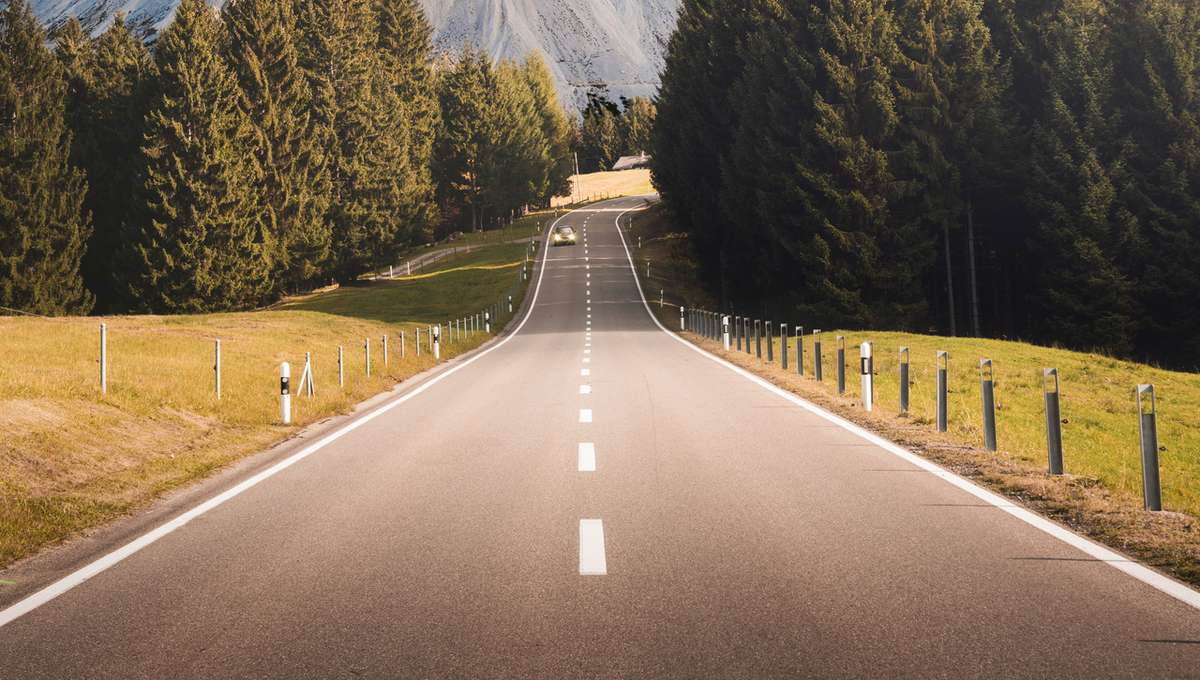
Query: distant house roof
{"type": "Point", "coordinates": [632, 162]}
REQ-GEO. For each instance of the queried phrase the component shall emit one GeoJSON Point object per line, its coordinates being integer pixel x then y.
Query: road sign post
{"type": "Point", "coordinates": [1050, 387]}
{"type": "Point", "coordinates": [867, 362]}
{"type": "Point", "coordinates": [943, 376]}
{"type": "Point", "coordinates": [904, 365]}
{"type": "Point", "coordinates": [285, 393]}
{"type": "Point", "coordinates": [1148, 429]}
{"type": "Point", "coordinates": [987, 385]}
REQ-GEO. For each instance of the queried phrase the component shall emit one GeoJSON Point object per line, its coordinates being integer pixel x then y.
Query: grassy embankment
{"type": "Point", "coordinates": [72, 459]}
{"type": "Point", "coordinates": [1101, 493]}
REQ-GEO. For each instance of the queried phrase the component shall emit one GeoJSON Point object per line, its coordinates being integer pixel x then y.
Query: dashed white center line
{"type": "Point", "coordinates": [587, 360]}
{"type": "Point", "coordinates": [591, 548]}
{"type": "Point", "coordinates": [587, 457]}
{"type": "Point", "coordinates": [585, 372]}
{"type": "Point", "coordinates": [587, 351]}
{"type": "Point", "coordinates": [585, 415]}
{"type": "Point", "coordinates": [585, 389]}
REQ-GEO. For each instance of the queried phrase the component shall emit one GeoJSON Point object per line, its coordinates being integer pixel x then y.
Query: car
{"type": "Point", "coordinates": [564, 236]}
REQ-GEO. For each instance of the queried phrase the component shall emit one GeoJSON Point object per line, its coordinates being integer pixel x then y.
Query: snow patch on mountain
{"type": "Point", "coordinates": [618, 45]}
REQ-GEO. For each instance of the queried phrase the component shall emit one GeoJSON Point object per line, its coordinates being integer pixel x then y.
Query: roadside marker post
{"type": "Point", "coordinates": [758, 339]}
{"type": "Point", "coordinates": [487, 322]}
{"type": "Point", "coordinates": [746, 332]}
{"type": "Point", "coordinates": [386, 358]}
{"type": "Point", "coordinates": [341, 367]}
{"type": "Point", "coordinates": [904, 361]}
{"type": "Point", "coordinates": [799, 349]}
{"type": "Point", "coordinates": [682, 322]}
{"type": "Point", "coordinates": [217, 367]}
{"type": "Point", "coordinates": [285, 393]}
{"type": "Point", "coordinates": [770, 343]}
{"type": "Point", "coordinates": [725, 327]}
{"type": "Point", "coordinates": [510, 308]}
{"type": "Point", "coordinates": [429, 334]}
{"type": "Point", "coordinates": [437, 343]}
{"type": "Point", "coordinates": [868, 375]}
{"type": "Point", "coordinates": [662, 298]}
{"type": "Point", "coordinates": [818, 369]}
{"type": "Point", "coordinates": [943, 376]}
{"type": "Point", "coordinates": [1054, 452]}
{"type": "Point", "coordinates": [1148, 429]}
{"type": "Point", "coordinates": [103, 358]}
{"type": "Point", "coordinates": [841, 364]}
{"type": "Point", "coordinates": [402, 344]}
{"type": "Point", "coordinates": [987, 385]}
{"type": "Point", "coordinates": [418, 342]}
{"type": "Point", "coordinates": [367, 355]}
{"type": "Point", "coordinates": [784, 339]}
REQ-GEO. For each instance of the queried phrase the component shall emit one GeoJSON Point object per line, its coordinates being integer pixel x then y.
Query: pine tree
{"type": "Point", "coordinates": [637, 123]}
{"type": "Point", "coordinates": [295, 184]}
{"type": "Point", "coordinates": [43, 227]}
{"type": "Point", "coordinates": [409, 114]}
{"type": "Point", "coordinates": [556, 129]}
{"type": "Point", "coordinates": [956, 131]}
{"type": "Point", "coordinates": [517, 166]}
{"type": "Point", "coordinates": [339, 61]}
{"type": "Point", "coordinates": [601, 135]}
{"type": "Point", "coordinates": [1154, 51]}
{"type": "Point", "coordinates": [205, 247]}
{"type": "Point", "coordinates": [111, 95]}
{"type": "Point", "coordinates": [466, 131]}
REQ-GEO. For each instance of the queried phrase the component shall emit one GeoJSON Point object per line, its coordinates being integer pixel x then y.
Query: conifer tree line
{"type": "Point", "coordinates": [609, 130]}
{"type": "Point", "coordinates": [267, 148]}
{"type": "Point", "coordinates": [1009, 168]}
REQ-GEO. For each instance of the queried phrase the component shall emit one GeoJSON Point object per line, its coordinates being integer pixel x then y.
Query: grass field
{"type": "Point", "coordinates": [1102, 492]}
{"type": "Point", "coordinates": [598, 185]}
{"type": "Point", "coordinates": [71, 459]}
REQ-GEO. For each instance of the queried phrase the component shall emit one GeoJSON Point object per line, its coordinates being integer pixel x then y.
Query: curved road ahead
{"type": "Point", "coordinates": [590, 497]}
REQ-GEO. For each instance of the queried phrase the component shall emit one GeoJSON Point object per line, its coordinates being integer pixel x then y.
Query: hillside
{"type": "Point", "coordinates": [617, 44]}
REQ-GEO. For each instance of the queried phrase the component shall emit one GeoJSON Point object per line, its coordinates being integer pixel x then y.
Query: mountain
{"type": "Point", "coordinates": [616, 45]}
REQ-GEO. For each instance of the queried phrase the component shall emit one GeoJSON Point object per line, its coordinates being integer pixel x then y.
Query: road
{"type": "Point", "coordinates": [712, 528]}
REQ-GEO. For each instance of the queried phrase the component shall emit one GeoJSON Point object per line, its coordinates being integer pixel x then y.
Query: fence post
{"type": "Point", "coordinates": [341, 367]}
{"type": "Point", "coordinates": [418, 342]}
{"type": "Point", "coordinates": [841, 364]}
{"type": "Point", "coordinates": [103, 358]}
{"type": "Point", "coordinates": [784, 339]}
{"type": "Point", "coordinates": [799, 349]}
{"type": "Point", "coordinates": [770, 343]}
{"type": "Point", "coordinates": [1050, 387]}
{"type": "Point", "coordinates": [367, 355]}
{"type": "Point", "coordinates": [818, 368]}
{"type": "Point", "coordinates": [868, 375]}
{"type": "Point", "coordinates": [904, 362]}
{"type": "Point", "coordinates": [746, 332]}
{"type": "Point", "coordinates": [217, 367]}
{"type": "Point", "coordinates": [285, 393]}
{"type": "Point", "coordinates": [1148, 428]}
{"type": "Point", "coordinates": [987, 385]}
{"type": "Point", "coordinates": [943, 376]}
{"type": "Point", "coordinates": [402, 344]}
{"type": "Point", "coordinates": [758, 339]}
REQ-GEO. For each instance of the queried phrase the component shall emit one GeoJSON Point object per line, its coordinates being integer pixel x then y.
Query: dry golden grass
{"type": "Point", "coordinates": [598, 185]}
{"type": "Point", "coordinates": [71, 458]}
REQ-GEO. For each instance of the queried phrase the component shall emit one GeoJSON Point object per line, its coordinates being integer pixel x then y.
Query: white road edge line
{"type": "Point", "coordinates": [1154, 579]}
{"type": "Point", "coordinates": [106, 562]}
{"type": "Point", "coordinates": [587, 457]}
{"type": "Point", "coordinates": [591, 548]}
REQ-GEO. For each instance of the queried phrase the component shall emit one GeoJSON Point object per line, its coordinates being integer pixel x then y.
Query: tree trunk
{"type": "Point", "coordinates": [950, 281]}
{"type": "Point", "coordinates": [971, 265]}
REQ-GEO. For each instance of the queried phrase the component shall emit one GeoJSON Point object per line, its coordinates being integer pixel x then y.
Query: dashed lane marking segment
{"type": "Point", "coordinates": [591, 548]}
{"type": "Point", "coordinates": [587, 457]}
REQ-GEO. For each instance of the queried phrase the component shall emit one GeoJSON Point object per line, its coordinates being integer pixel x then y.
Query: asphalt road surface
{"type": "Point", "coordinates": [590, 497]}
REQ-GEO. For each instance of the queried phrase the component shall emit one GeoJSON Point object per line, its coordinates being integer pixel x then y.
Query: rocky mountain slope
{"type": "Point", "coordinates": [614, 44]}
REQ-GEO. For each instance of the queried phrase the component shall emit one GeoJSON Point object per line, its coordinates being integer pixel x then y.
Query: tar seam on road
{"type": "Point", "coordinates": [1142, 573]}
{"type": "Point", "coordinates": [96, 567]}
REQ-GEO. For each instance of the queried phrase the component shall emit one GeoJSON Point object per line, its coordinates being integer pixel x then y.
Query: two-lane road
{"type": "Point", "coordinates": [590, 497]}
